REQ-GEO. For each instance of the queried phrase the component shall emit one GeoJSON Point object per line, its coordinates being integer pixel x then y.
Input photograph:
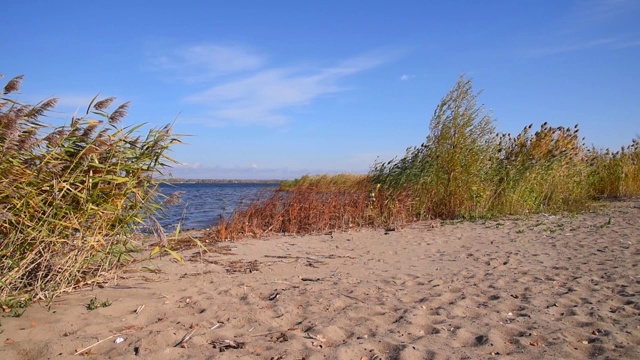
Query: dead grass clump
{"type": "Point", "coordinates": [304, 209]}
{"type": "Point", "coordinates": [311, 207]}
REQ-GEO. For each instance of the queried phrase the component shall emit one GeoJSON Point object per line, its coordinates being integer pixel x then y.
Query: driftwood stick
{"type": "Point", "coordinates": [186, 337]}
{"type": "Point", "coordinates": [284, 257]}
{"type": "Point", "coordinates": [353, 298]}
{"type": "Point", "coordinates": [90, 346]}
{"type": "Point", "coordinates": [267, 333]}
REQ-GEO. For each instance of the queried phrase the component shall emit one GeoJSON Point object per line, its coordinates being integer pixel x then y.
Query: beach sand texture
{"type": "Point", "coordinates": [541, 287]}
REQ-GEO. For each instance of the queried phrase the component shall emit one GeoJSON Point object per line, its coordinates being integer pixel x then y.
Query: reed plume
{"type": "Point", "coordinates": [71, 196]}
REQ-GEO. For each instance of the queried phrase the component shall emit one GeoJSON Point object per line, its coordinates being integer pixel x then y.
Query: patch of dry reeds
{"type": "Point", "coordinates": [303, 209]}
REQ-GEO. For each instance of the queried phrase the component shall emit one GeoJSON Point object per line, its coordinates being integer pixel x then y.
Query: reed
{"type": "Point", "coordinates": [448, 175]}
{"type": "Point", "coordinates": [309, 207]}
{"type": "Point", "coordinates": [324, 182]}
{"type": "Point", "coordinates": [540, 172]}
{"type": "Point", "coordinates": [70, 196]}
{"type": "Point", "coordinates": [615, 174]}
{"type": "Point", "coordinates": [464, 169]}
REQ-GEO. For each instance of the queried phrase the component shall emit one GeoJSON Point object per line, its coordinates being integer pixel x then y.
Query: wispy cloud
{"type": "Point", "coordinates": [259, 97]}
{"type": "Point", "coordinates": [628, 44]}
{"type": "Point", "coordinates": [567, 48]}
{"type": "Point", "coordinates": [187, 165]}
{"type": "Point", "coordinates": [235, 172]}
{"type": "Point", "coordinates": [249, 91]}
{"type": "Point", "coordinates": [406, 77]}
{"type": "Point", "coordinates": [201, 63]}
{"type": "Point", "coordinates": [590, 25]}
{"type": "Point", "coordinates": [593, 12]}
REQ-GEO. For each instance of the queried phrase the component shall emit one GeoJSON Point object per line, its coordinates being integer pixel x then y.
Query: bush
{"type": "Point", "coordinates": [71, 195]}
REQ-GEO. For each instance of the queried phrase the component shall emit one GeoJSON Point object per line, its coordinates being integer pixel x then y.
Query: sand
{"type": "Point", "coordinates": [540, 287]}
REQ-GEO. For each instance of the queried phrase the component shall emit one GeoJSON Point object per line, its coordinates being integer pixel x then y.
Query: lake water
{"type": "Point", "coordinates": [203, 204]}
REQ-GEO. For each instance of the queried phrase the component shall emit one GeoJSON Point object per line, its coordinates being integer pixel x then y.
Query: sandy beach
{"type": "Point", "coordinates": [539, 287]}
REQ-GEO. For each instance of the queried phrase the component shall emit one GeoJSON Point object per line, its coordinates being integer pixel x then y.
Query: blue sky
{"type": "Point", "coordinates": [279, 89]}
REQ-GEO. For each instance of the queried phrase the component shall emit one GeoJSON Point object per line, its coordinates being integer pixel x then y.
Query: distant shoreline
{"type": "Point", "coordinates": [219, 181]}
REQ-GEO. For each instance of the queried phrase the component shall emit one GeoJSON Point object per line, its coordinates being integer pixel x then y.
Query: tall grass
{"type": "Point", "coordinates": [448, 174]}
{"type": "Point", "coordinates": [615, 174]}
{"type": "Point", "coordinates": [543, 171]}
{"type": "Point", "coordinates": [71, 195]}
{"type": "Point", "coordinates": [325, 182]}
{"type": "Point", "coordinates": [464, 169]}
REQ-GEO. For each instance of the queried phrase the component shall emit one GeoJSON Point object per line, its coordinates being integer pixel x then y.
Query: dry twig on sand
{"type": "Point", "coordinates": [90, 346]}
{"type": "Point", "coordinates": [186, 338]}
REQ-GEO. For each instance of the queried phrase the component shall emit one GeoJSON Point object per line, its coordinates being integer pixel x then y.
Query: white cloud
{"type": "Point", "coordinates": [270, 88]}
{"type": "Point", "coordinates": [235, 172]}
{"type": "Point", "coordinates": [201, 63]}
{"type": "Point", "coordinates": [589, 24]}
{"type": "Point", "coordinates": [254, 94]}
{"type": "Point", "coordinates": [628, 44]}
{"type": "Point", "coordinates": [593, 12]}
{"type": "Point", "coordinates": [186, 165]}
{"type": "Point", "coordinates": [567, 48]}
{"type": "Point", "coordinates": [406, 77]}
{"type": "Point", "coordinates": [258, 97]}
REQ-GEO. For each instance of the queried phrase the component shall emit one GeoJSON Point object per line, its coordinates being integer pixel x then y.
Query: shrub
{"type": "Point", "coordinates": [71, 195]}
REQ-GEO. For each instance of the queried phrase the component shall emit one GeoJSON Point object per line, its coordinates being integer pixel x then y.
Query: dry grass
{"type": "Point", "coordinates": [307, 208]}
